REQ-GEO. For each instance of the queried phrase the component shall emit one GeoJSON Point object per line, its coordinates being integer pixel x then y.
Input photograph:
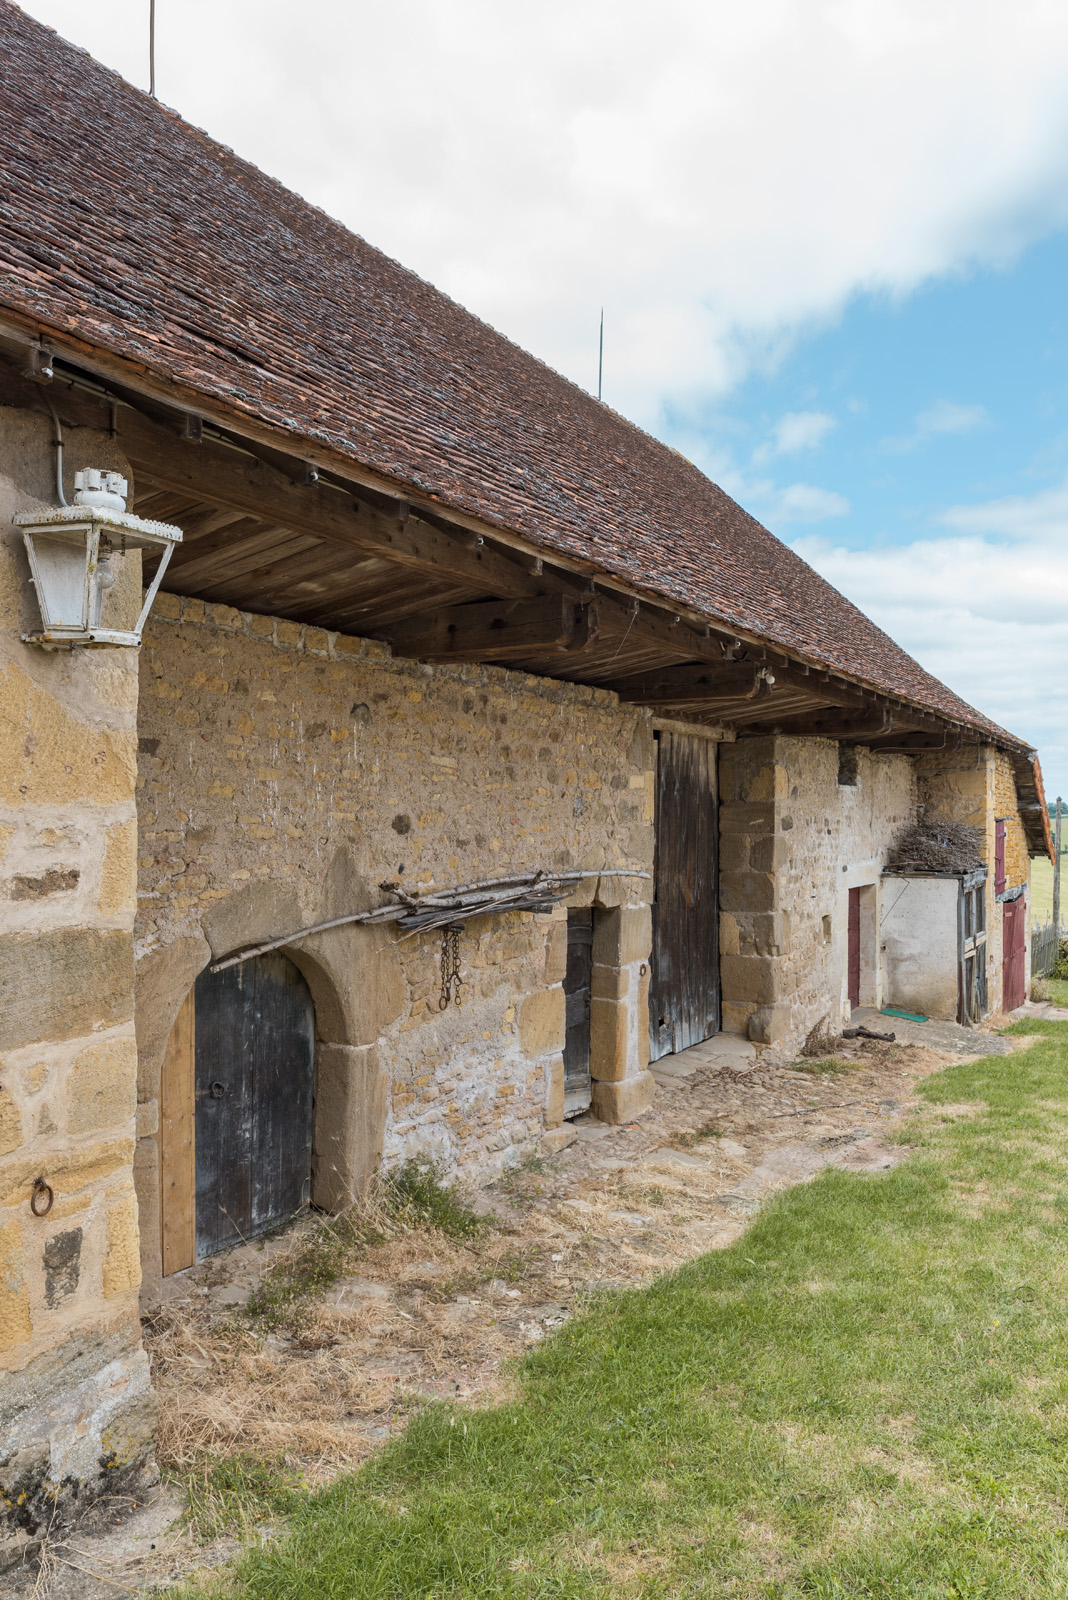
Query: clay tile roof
{"type": "Point", "coordinates": [125, 228]}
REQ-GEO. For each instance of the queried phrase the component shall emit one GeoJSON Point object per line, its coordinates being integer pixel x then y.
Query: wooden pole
{"type": "Point", "coordinates": [1057, 871]}
{"type": "Point", "coordinates": [600, 351]}
{"type": "Point", "coordinates": [152, 48]}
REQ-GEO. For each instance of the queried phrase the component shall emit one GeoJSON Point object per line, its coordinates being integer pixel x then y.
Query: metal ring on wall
{"type": "Point", "coordinates": [40, 1187]}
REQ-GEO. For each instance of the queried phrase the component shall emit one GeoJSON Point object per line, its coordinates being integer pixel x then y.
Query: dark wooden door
{"type": "Point", "coordinates": [1014, 954]}
{"type": "Point", "coordinates": [684, 986]}
{"type": "Point", "coordinates": [577, 979]}
{"type": "Point", "coordinates": [254, 1054]}
{"type": "Point", "coordinates": [854, 947]}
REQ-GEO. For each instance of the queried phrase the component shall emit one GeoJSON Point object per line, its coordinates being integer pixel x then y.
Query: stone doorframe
{"type": "Point", "coordinates": [621, 1084]}
{"type": "Point", "coordinates": [351, 1085]}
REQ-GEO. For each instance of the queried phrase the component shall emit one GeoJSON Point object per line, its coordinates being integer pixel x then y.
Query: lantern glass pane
{"type": "Point", "coordinates": [61, 570]}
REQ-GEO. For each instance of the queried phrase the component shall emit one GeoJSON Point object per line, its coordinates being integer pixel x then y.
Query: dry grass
{"type": "Point", "coordinates": [358, 1322]}
{"type": "Point", "coordinates": [226, 1387]}
{"type": "Point", "coordinates": [822, 1040]}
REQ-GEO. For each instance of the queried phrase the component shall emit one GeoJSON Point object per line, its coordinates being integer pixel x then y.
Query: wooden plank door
{"type": "Point", "coordinates": [854, 948]}
{"type": "Point", "coordinates": [177, 1152]}
{"type": "Point", "coordinates": [684, 985]}
{"type": "Point", "coordinates": [577, 980]}
{"type": "Point", "coordinates": [255, 1035]}
{"type": "Point", "coordinates": [1014, 954]}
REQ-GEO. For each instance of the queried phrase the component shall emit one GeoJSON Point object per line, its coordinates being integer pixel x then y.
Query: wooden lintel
{"type": "Point", "coordinates": [494, 630]}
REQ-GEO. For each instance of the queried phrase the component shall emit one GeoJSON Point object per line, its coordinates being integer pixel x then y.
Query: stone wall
{"type": "Point", "coordinates": [75, 1404]}
{"type": "Point", "coordinates": [1006, 806]}
{"type": "Point", "coordinates": [793, 843]}
{"type": "Point", "coordinates": [286, 772]}
{"type": "Point", "coordinates": [976, 785]}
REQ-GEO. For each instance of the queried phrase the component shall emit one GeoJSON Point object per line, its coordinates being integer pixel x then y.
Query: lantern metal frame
{"type": "Point", "coordinates": [64, 549]}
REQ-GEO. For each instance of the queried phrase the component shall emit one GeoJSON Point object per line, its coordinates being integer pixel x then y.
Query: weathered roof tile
{"type": "Point", "coordinates": [122, 225]}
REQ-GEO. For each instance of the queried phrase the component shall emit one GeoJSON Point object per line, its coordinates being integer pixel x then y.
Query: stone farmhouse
{"type": "Point", "coordinates": [437, 618]}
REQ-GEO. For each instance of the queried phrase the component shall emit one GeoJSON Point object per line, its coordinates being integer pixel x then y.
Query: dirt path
{"type": "Point", "coordinates": [431, 1318]}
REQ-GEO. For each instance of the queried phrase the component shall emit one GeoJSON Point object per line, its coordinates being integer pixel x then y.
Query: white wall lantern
{"type": "Point", "coordinates": [70, 551]}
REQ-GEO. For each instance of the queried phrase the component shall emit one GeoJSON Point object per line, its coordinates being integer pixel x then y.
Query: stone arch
{"type": "Point", "coordinates": [162, 980]}
{"type": "Point", "coordinates": [358, 988]}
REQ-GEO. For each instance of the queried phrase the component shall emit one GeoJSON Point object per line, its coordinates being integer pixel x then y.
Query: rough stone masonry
{"type": "Point", "coordinates": [285, 773]}
{"type": "Point", "coordinates": [76, 1407]}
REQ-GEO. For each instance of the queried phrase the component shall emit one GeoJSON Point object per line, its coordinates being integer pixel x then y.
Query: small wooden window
{"type": "Point", "coordinates": [848, 766]}
{"type": "Point", "coordinates": [999, 856]}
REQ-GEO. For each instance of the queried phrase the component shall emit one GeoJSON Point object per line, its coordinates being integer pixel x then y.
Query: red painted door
{"type": "Point", "coordinates": [854, 947]}
{"type": "Point", "coordinates": [1014, 954]}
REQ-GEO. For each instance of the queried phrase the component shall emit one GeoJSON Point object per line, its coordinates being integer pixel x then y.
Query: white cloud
{"type": "Point", "coordinates": [942, 419]}
{"type": "Point", "coordinates": [987, 618]}
{"type": "Point", "coordinates": [795, 432]}
{"type": "Point", "coordinates": [1041, 518]}
{"type": "Point", "coordinates": [798, 502]}
{"type": "Point", "coordinates": [716, 176]}
{"type": "Point", "coordinates": [946, 417]}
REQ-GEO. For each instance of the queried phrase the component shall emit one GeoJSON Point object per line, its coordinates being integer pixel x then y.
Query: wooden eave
{"type": "Point", "coordinates": [344, 553]}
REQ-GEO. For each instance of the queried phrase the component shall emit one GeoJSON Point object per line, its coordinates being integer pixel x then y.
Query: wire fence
{"type": "Point", "coordinates": [1045, 944]}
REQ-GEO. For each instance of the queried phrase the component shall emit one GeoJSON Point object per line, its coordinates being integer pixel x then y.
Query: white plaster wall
{"type": "Point", "coordinates": [837, 838]}
{"type": "Point", "coordinates": [919, 940]}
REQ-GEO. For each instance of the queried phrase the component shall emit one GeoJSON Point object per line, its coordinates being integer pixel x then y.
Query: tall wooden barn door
{"type": "Point", "coordinates": [684, 987]}
{"type": "Point", "coordinates": [854, 948]}
{"type": "Point", "coordinates": [236, 1109]}
{"type": "Point", "coordinates": [577, 981]}
{"type": "Point", "coordinates": [1014, 954]}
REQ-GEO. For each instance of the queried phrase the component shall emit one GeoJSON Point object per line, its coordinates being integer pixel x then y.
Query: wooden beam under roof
{"type": "Point", "coordinates": [916, 742]}
{"type": "Point", "coordinates": [835, 724]}
{"type": "Point", "coordinates": [497, 630]}
{"type": "Point", "coordinates": [445, 565]}
{"type": "Point", "coordinates": [697, 686]}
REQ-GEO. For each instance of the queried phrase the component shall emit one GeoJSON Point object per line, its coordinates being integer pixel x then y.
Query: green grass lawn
{"type": "Point", "coordinates": [866, 1395]}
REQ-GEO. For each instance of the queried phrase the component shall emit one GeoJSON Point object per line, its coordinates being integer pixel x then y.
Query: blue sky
{"type": "Point", "coordinates": [927, 432]}
{"type": "Point", "coordinates": [903, 405]}
{"type": "Point", "coordinates": [830, 238]}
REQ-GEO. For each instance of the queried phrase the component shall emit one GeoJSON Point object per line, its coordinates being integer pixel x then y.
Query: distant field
{"type": "Point", "coordinates": [1042, 887]}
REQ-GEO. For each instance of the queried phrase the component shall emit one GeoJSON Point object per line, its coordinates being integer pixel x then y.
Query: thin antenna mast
{"type": "Point", "coordinates": [600, 352]}
{"type": "Point", "coordinates": [152, 48]}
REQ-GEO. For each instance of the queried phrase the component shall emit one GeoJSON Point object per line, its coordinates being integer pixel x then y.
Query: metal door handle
{"type": "Point", "coordinates": [217, 1091]}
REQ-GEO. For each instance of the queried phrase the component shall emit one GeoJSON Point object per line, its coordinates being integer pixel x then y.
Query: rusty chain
{"type": "Point", "coordinates": [451, 981]}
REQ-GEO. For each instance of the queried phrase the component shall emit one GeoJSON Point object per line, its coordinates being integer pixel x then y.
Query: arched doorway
{"type": "Point", "coordinates": [236, 1108]}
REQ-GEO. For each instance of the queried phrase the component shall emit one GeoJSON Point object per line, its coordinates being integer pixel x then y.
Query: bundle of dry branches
{"type": "Point", "coordinates": [937, 847]}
